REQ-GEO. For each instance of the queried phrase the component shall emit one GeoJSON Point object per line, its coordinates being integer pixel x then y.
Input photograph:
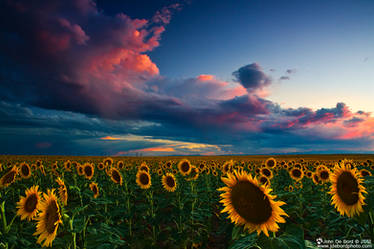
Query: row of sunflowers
{"type": "Point", "coordinates": [243, 202]}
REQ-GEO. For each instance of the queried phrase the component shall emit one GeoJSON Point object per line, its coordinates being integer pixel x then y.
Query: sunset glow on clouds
{"type": "Point", "coordinates": [71, 58]}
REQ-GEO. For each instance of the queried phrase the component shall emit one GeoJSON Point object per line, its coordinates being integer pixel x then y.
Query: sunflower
{"type": "Point", "coordinates": [201, 166]}
{"type": "Point", "coordinates": [88, 170]}
{"type": "Point", "coordinates": [159, 171]}
{"type": "Point", "coordinates": [271, 162]}
{"type": "Point", "coordinates": [108, 161]}
{"type": "Point", "coordinates": [315, 178]}
{"type": "Point", "coordinates": [194, 174]}
{"type": "Point", "coordinates": [116, 176]}
{"type": "Point", "coordinates": [49, 219]}
{"type": "Point", "coordinates": [67, 165]}
{"type": "Point", "coordinates": [324, 175]}
{"type": "Point", "coordinates": [41, 168]}
{"type": "Point", "coordinates": [28, 206]}
{"type": "Point", "coordinates": [309, 174]}
{"type": "Point", "coordinates": [321, 167]}
{"type": "Point", "coordinates": [346, 190]}
{"type": "Point", "coordinates": [33, 167]}
{"type": "Point", "coordinates": [120, 165]}
{"type": "Point", "coordinates": [169, 182]}
{"type": "Point", "coordinates": [144, 167]}
{"type": "Point", "coordinates": [365, 172]}
{"type": "Point", "coordinates": [298, 166]}
{"type": "Point", "coordinates": [214, 172]}
{"type": "Point", "coordinates": [101, 166]}
{"type": "Point", "coordinates": [9, 177]}
{"type": "Point", "coordinates": [80, 170]}
{"type": "Point", "coordinates": [266, 172]}
{"type": "Point", "coordinates": [184, 167]}
{"type": "Point", "coordinates": [38, 163]}
{"type": "Point", "coordinates": [95, 189]}
{"type": "Point", "coordinates": [227, 166]}
{"type": "Point", "coordinates": [250, 204]}
{"type": "Point", "coordinates": [25, 170]}
{"type": "Point", "coordinates": [169, 165]}
{"type": "Point", "coordinates": [62, 191]}
{"type": "Point", "coordinates": [143, 179]}
{"type": "Point", "coordinates": [290, 188]}
{"type": "Point", "coordinates": [296, 174]}
{"type": "Point", "coordinates": [264, 180]}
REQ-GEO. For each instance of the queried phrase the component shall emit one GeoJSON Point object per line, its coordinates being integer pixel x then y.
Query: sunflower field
{"type": "Point", "coordinates": [233, 202]}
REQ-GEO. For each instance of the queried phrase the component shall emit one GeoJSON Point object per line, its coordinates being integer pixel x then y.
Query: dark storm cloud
{"type": "Point", "coordinates": [252, 77]}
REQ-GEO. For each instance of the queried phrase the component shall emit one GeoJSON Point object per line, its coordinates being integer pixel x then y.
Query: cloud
{"type": "Point", "coordinates": [76, 78]}
{"type": "Point", "coordinates": [252, 77]}
{"type": "Point", "coordinates": [284, 78]}
{"type": "Point", "coordinates": [71, 56]}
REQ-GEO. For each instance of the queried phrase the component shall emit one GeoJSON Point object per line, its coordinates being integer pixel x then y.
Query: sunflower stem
{"type": "Point", "coordinates": [73, 233]}
{"type": "Point", "coordinates": [10, 224]}
{"type": "Point", "coordinates": [274, 236]}
{"type": "Point", "coordinates": [3, 216]}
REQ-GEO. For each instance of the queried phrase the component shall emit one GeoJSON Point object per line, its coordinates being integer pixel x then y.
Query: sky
{"type": "Point", "coordinates": [155, 78]}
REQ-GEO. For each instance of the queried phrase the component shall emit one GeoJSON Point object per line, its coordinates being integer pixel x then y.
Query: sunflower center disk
{"type": "Point", "coordinates": [347, 187]}
{"type": "Point", "coordinates": [51, 217]}
{"type": "Point", "coordinates": [116, 176]}
{"type": "Point", "coordinates": [266, 172]}
{"type": "Point", "coordinates": [324, 175]}
{"type": "Point", "coordinates": [185, 166]}
{"type": "Point", "coordinates": [296, 173]}
{"type": "Point", "coordinates": [88, 171]}
{"type": "Point", "coordinates": [31, 203]}
{"type": "Point", "coordinates": [144, 179]}
{"type": "Point", "coordinates": [25, 171]}
{"type": "Point", "coordinates": [9, 178]}
{"type": "Point", "coordinates": [250, 202]}
{"type": "Point", "coordinates": [170, 182]}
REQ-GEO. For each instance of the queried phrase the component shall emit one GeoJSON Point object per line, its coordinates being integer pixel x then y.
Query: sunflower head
{"type": "Point", "coordinates": [144, 167]}
{"type": "Point", "coordinates": [80, 170]}
{"type": "Point", "coordinates": [143, 179]}
{"type": "Point", "coordinates": [67, 165]}
{"type": "Point", "coordinates": [346, 190]}
{"type": "Point", "coordinates": [296, 174]}
{"type": "Point", "coordinates": [25, 170]}
{"type": "Point", "coordinates": [227, 166]}
{"type": "Point", "coordinates": [116, 176]}
{"type": "Point", "coordinates": [49, 219]}
{"type": "Point", "coordinates": [95, 189]}
{"type": "Point", "coordinates": [120, 165]}
{"type": "Point", "coordinates": [169, 182]}
{"type": "Point", "coordinates": [250, 204]}
{"type": "Point", "coordinates": [267, 172]}
{"type": "Point", "coordinates": [315, 178]}
{"type": "Point", "coordinates": [9, 177]}
{"type": "Point", "coordinates": [264, 180]}
{"type": "Point", "coordinates": [271, 162]}
{"type": "Point", "coordinates": [108, 162]}
{"type": "Point", "coordinates": [365, 172]}
{"type": "Point", "coordinates": [324, 175]}
{"type": "Point", "coordinates": [101, 166]}
{"type": "Point", "coordinates": [62, 191]}
{"type": "Point", "coordinates": [194, 173]}
{"type": "Point", "coordinates": [28, 206]}
{"type": "Point", "coordinates": [89, 170]}
{"type": "Point", "coordinates": [184, 167]}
